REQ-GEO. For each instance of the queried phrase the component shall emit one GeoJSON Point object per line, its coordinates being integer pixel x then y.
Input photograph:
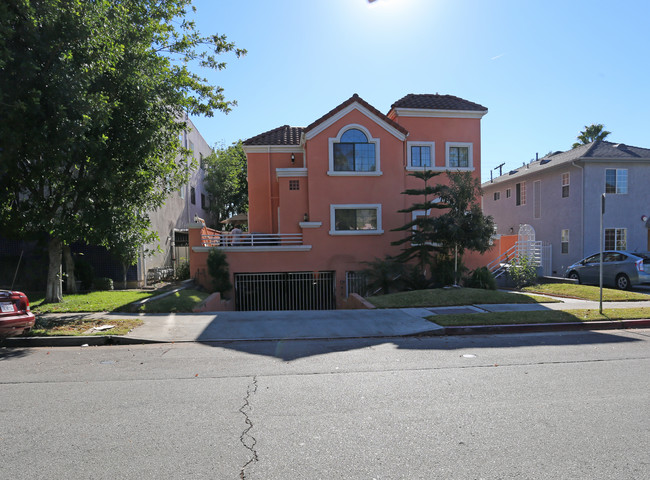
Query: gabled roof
{"type": "Point", "coordinates": [356, 98]}
{"type": "Point", "coordinates": [594, 151]}
{"type": "Point", "coordinates": [429, 101]}
{"type": "Point", "coordinates": [284, 135]}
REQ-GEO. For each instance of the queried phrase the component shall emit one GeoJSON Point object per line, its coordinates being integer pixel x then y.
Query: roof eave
{"type": "Point", "coordinates": [437, 113]}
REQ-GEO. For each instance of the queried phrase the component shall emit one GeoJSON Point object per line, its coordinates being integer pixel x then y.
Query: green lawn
{"type": "Point", "coordinates": [586, 292]}
{"type": "Point", "coordinates": [549, 316]}
{"type": "Point", "coordinates": [181, 301]}
{"type": "Point", "coordinates": [74, 326]}
{"type": "Point", "coordinates": [102, 301]}
{"type": "Point", "coordinates": [442, 297]}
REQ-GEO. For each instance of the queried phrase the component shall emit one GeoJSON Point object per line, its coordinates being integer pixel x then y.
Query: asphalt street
{"type": "Point", "coordinates": [549, 405]}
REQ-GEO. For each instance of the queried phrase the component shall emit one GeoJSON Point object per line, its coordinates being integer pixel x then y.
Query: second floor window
{"type": "Point", "coordinates": [616, 180]}
{"type": "Point", "coordinates": [497, 196]}
{"type": "Point", "coordinates": [420, 156]}
{"type": "Point", "coordinates": [520, 193]}
{"type": "Point", "coordinates": [354, 153]}
{"type": "Point", "coordinates": [565, 184]}
{"type": "Point", "coordinates": [459, 155]}
{"type": "Point", "coordinates": [193, 195]}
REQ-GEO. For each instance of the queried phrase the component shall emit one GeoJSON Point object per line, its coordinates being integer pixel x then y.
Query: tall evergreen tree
{"type": "Point", "coordinates": [420, 241]}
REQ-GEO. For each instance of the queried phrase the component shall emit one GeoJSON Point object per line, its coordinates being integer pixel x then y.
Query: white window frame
{"type": "Point", "coordinates": [616, 231]}
{"type": "Point", "coordinates": [337, 139]}
{"type": "Point", "coordinates": [564, 238]}
{"type": "Point", "coordinates": [508, 192]}
{"type": "Point", "coordinates": [355, 206]}
{"type": "Point", "coordinates": [432, 147]}
{"type": "Point", "coordinates": [616, 185]}
{"type": "Point", "coordinates": [566, 175]}
{"type": "Point", "coordinates": [522, 193]}
{"type": "Point", "coordinates": [470, 156]}
{"type": "Point", "coordinates": [497, 196]}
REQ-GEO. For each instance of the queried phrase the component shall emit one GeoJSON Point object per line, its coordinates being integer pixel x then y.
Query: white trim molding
{"type": "Point", "coordinates": [249, 249]}
{"type": "Point", "coordinates": [432, 147]}
{"type": "Point", "coordinates": [337, 139]}
{"type": "Point", "coordinates": [355, 206]}
{"type": "Point", "coordinates": [273, 149]}
{"type": "Point", "coordinates": [470, 156]}
{"type": "Point", "coordinates": [355, 106]}
{"type": "Point", "coordinates": [290, 172]}
{"type": "Point", "coordinates": [310, 224]}
{"type": "Point", "coordinates": [423, 112]}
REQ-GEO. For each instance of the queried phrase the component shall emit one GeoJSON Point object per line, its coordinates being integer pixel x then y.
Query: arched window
{"type": "Point", "coordinates": [354, 153]}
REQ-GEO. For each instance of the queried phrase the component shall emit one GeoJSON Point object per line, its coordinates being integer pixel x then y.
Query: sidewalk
{"type": "Point", "coordinates": [321, 324]}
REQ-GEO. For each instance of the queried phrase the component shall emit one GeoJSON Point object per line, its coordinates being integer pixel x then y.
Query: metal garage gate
{"type": "Point", "coordinates": [285, 291]}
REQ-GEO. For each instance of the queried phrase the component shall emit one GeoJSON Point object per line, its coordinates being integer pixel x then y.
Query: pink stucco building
{"type": "Point", "coordinates": [324, 198]}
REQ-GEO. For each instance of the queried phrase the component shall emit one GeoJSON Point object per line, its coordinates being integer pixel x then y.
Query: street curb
{"type": "Point", "coordinates": [548, 327]}
{"type": "Point", "coordinates": [72, 341]}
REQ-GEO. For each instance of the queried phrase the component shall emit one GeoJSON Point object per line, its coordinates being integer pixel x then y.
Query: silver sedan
{"type": "Point", "coordinates": [620, 269]}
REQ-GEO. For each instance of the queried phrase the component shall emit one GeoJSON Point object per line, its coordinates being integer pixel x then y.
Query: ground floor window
{"type": "Point", "coordinates": [565, 241]}
{"type": "Point", "coordinates": [616, 239]}
{"type": "Point", "coordinates": [355, 219]}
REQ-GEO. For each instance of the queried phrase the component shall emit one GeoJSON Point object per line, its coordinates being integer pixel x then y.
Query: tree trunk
{"type": "Point", "coordinates": [54, 285]}
{"type": "Point", "coordinates": [71, 284]}
{"type": "Point", "coordinates": [125, 267]}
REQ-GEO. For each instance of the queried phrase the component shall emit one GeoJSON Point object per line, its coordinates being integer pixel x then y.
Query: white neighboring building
{"type": "Point", "coordinates": [171, 220]}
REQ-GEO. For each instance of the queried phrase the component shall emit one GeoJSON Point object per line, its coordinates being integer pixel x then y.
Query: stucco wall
{"type": "Point", "coordinates": [555, 212]}
{"type": "Point", "coordinates": [177, 212]}
{"type": "Point", "coordinates": [622, 211]}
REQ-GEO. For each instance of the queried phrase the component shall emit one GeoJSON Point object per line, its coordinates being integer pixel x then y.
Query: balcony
{"type": "Point", "coordinates": [252, 242]}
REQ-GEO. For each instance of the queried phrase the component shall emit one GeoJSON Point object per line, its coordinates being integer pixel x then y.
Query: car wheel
{"type": "Point", "coordinates": [574, 276]}
{"type": "Point", "coordinates": [622, 281]}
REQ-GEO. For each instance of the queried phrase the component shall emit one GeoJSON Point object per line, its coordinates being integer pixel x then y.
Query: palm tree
{"type": "Point", "coordinates": [590, 134]}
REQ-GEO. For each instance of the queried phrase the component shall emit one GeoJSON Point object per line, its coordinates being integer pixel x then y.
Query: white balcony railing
{"type": "Point", "coordinates": [226, 239]}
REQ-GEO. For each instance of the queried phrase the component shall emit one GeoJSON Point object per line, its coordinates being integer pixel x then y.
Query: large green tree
{"type": "Point", "coordinates": [91, 93]}
{"type": "Point", "coordinates": [462, 226]}
{"type": "Point", "coordinates": [590, 134]}
{"type": "Point", "coordinates": [225, 181]}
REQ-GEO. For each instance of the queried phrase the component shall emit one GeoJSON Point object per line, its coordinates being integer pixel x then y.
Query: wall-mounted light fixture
{"type": "Point", "coordinates": [293, 158]}
{"type": "Point", "coordinates": [644, 218]}
{"type": "Point", "coordinates": [306, 217]}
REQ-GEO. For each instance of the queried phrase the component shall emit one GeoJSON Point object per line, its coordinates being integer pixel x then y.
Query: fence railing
{"type": "Point", "coordinates": [528, 248]}
{"type": "Point", "coordinates": [227, 239]}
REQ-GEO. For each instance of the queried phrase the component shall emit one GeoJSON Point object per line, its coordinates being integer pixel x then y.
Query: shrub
{"type": "Point", "coordinates": [481, 278]}
{"type": "Point", "coordinates": [383, 276]}
{"type": "Point", "coordinates": [183, 271]}
{"type": "Point", "coordinates": [523, 272]}
{"type": "Point", "coordinates": [218, 270]}
{"type": "Point", "coordinates": [103, 283]}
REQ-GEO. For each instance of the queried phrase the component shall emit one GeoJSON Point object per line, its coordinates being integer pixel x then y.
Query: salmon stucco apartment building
{"type": "Point", "coordinates": [323, 199]}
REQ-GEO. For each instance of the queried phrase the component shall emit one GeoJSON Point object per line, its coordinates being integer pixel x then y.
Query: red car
{"type": "Point", "coordinates": [15, 316]}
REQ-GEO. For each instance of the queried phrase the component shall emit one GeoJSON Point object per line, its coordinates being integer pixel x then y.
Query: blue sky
{"type": "Point", "coordinates": [544, 69]}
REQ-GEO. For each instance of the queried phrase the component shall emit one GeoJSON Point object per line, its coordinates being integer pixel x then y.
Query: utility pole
{"type": "Point", "coordinates": [602, 238]}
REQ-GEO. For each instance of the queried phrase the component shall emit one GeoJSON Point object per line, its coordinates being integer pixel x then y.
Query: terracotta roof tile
{"type": "Point", "coordinates": [349, 101]}
{"type": "Point", "coordinates": [284, 135]}
{"type": "Point", "coordinates": [436, 102]}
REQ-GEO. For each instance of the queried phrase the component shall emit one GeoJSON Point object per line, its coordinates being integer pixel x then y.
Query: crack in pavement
{"type": "Point", "coordinates": [247, 440]}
